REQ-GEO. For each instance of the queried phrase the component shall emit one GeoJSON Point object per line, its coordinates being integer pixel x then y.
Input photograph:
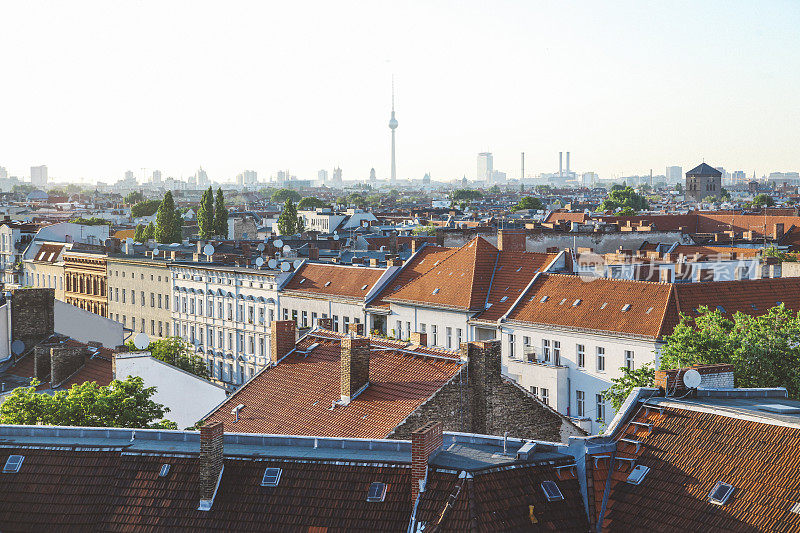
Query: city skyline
{"type": "Point", "coordinates": [625, 88]}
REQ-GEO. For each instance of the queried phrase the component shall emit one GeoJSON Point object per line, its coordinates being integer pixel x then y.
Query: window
{"type": "Point", "coordinates": [434, 342]}
{"type": "Point", "coordinates": [511, 343]}
{"type": "Point", "coordinates": [629, 359]}
{"type": "Point", "coordinates": [377, 492]}
{"type": "Point", "coordinates": [152, 299]}
{"type": "Point", "coordinates": [164, 470]}
{"type": "Point", "coordinates": [449, 333]}
{"type": "Point", "coordinates": [399, 331]}
{"type": "Point", "coordinates": [535, 391]}
{"type": "Point", "coordinates": [142, 298]}
{"type": "Point", "coordinates": [305, 319]}
{"type": "Point", "coordinates": [345, 324]}
{"type": "Point", "coordinates": [272, 476]}
{"type": "Point", "coordinates": [557, 353]}
{"type": "Point", "coordinates": [601, 359]}
{"type": "Point", "coordinates": [580, 356]}
{"type": "Point", "coordinates": [458, 336]}
{"type": "Point", "coordinates": [637, 474]}
{"type": "Point", "coordinates": [546, 351]}
{"type": "Point", "coordinates": [545, 396]}
{"type": "Point", "coordinates": [580, 400]}
{"type": "Point", "coordinates": [159, 301]}
{"type": "Point", "coordinates": [551, 491]}
{"type": "Point", "coordinates": [13, 464]}
{"type": "Point", "coordinates": [336, 323]}
{"type": "Point", "coordinates": [600, 411]}
{"type": "Point", "coordinates": [408, 331]}
{"type": "Point", "coordinates": [718, 495]}
{"type": "Point", "coordinates": [422, 328]}
{"type": "Point", "coordinates": [133, 296]}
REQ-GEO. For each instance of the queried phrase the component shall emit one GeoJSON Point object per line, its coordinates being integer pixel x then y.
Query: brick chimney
{"type": "Point", "coordinates": [717, 376]}
{"type": "Point", "coordinates": [483, 366]}
{"type": "Point", "coordinates": [354, 366]}
{"type": "Point", "coordinates": [41, 362]}
{"type": "Point", "coordinates": [374, 262]}
{"type": "Point", "coordinates": [418, 338]}
{"type": "Point", "coordinates": [313, 253]}
{"type": "Point", "coordinates": [325, 323]}
{"type": "Point", "coordinates": [212, 435]}
{"type": "Point", "coordinates": [425, 442]}
{"type": "Point", "coordinates": [65, 361]}
{"type": "Point", "coordinates": [394, 262]}
{"type": "Point", "coordinates": [511, 240]}
{"type": "Point", "coordinates": [356, 328]}
{"type": "Point", "coordinates": [416, 244]}
{"type": "Point", "coordinates": [282, 339]}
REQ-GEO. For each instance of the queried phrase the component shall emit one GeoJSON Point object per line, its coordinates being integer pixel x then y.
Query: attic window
{"type": "Point", "coordinates": [604, 305]}
{"type": "Point", "coordinates": [327, 283]}
{"type": "Point", "coordinates": [648, 310]}
{"type": "Point", "coordinates": [504, 298]}
{"type": "Point", "coordinates": [377, 492]}
{"type": "Point", "coordinates": [164, 470]}
{"type": "Point", "coordinates": [13, 464]}
{"type": "Point", "coordinates": [544, 299]}
{"type": "Point", "coordinates": [436, 290]}
{"type": "Point", "coordinates": [302, 281]}
{"type": "Point", "coordinates": [520, 268]}
{"type": "Point", "coordinates": [271, 477]}
{"type": "Point", "coordinates": [562, 301]}
{"type": "Point", "coordinates": [576, 303]}
{"type": "Point", "coordinates": [551, 491]}
{"type": "Point", "coordinates": [626, 307]}
{"type": "Point", "coordinates": [637, 474]}
{"type": "Point", "coordinates": [720, 493]}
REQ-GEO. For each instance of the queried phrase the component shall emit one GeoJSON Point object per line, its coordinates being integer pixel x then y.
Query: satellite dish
{"type": "Point", "coordinates": [260, 247]}
{"type": "Point", "coordinates": [287, 249]}
{"type": "Point", "coordinates": [155, 251]}
{"type": "Point", "coordinates": [128, 241]}
{"type": "Point", "coordinates": [272, 263]}
{"type": "Point", "coordinates": [692, 378]}
{"type": "Point", "coordinates": [296, 264]}
{"type": "Point", "coordinates": [335, 237]}
{"type": "Point", "coordinates": [208, 250]}
{"type": "Point", "coordinates": [278, 243]}
{"type": "Point", "coordinates": [259, 262]}
{"type": "Point", "coordinates": [17, 347]}
{"type": "Point", "coordinates": [141, 341]}
{"type": "Point", "coordinates": [285, 266]}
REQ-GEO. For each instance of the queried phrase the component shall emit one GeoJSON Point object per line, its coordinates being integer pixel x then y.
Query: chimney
{"type": "Point", "coordinates": [356, 328]}
{"type": "Point", "coordinates": [354, 366]}
{"type": "Point", "coordinates": [41, 362]}
{"type": "Point", "coordinates": [211, 439]}
{"type": "Point", "coordinates": [418, 338]}
{"type": "Point", "coordinates": [325, 323]}
{"type": "Point", "coordinates": [425, 442]}
{"type": "Point", "coordinates": [567, 163]}
{"type": "Point", "coordinates": [281, 340]}
{"type": "Point", "coordinates": [511, 240]}
{"type": "Point", "coordinates": [200, 245]}
{"type": "Point", "coordinates": [483, 368]}
{"type": "Point", "coordinates": [560, 164]}
{"type": "Point", "coordinates": [777, 231]}
{"type": "Point", "coordinates": [65, 361]}
{"type": "Point", "coordinates": [394, 262]}
{"type": "Point", "coordinates": [313, 253]}
{"type": "Point", "coordinates": [374, 262]}
{"type": "Point", "coordinates": [716, 376]}
{"type": "Point", "coordinates": [415, 245]}
{"type": "Point", "coordinates": [393, 242]}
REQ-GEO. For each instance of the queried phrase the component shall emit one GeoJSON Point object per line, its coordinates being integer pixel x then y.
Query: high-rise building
{"type": "Point", "coordinates": [674, 174]}
{"type": "Point", "coordinates": [247, 178]}
{"type": "Point", "coordinates": [372, 176]}
{"type": "Point", "coordinates": [393, 126]}
{"type": "Point", "coordinates": [485, 166]}
{"type": "Point", "coordinates": [156, 177]}
{"type": "Point", "coordinates": [129, 175]}
{"type": "Point", "coordinates": [337, 175]}
{"type": "Point", "coordinates": [3, 173]}
{"type": "Point", "coordinates": [39, 176]}
{"type": "Point", "coordinates": [322, 176]}
{"type": "Point", "coordinates": [202, 178]}
{"type": "Point", "coordinates": [738, 177]}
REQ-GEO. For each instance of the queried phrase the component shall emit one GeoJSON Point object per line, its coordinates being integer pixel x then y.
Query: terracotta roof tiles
{"type": "Point", "coordinates": [327, 280]}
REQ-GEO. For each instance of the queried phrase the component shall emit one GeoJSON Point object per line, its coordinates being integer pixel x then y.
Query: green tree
{"type": "Point", "coordinates": [176, 352]}
{"type": "Point", "coordinates": [138, 235]}
{"type": "Point", "coordinates": [281, 195]}
{"type": "Point", "coordinates": [763, 200]}
{"type": "Point", "coordinates": [123, 404]}
{"type": "Point", "coordinates": [622, 386]}
{"type": "Point", "coordinates": [150, 231]}
{"type": "Point", "coordinates": [134, 197]}
{"type": "Point", "coordinates": [494, 189]}
{"type": "Point", "coordinates": [205, 214]}
{"type": "Point", "coordinates": [725, 195]}
{"type": "Point", "coordinates": [220, 215]}
{"type": "Point", "coordinates": [93, 221]}
{"type": "Point", "coordinates": [622, 198]}
{"type": "Point", "coordinates": [287, 222]}
{"type": "Point", "coordinates": [466, 194]}
{"type": "Point", "coordinates": [165, 220]}
{"type": "Point", "coordinates": [356, 199]}
{"type": "Point", "coordinates": [311, 202]}
{"type": "Point", "coordinates": [145, 208]}
{"type": "Point", "coordinates": [177, 226]}
{"type": "Point", "coordinates": [528, 202]}
{"type": "Point", "coordinates": [679, 187]}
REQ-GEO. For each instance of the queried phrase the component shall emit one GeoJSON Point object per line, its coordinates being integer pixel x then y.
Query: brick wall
{"type": "Point", "coordinates": [512, 240]}
{"type": "Point", "coordinates": [282, 339]}
{"type": "Point", "coordinates": [325, 323]}
{"type": "Point", "coordinates": [32, 315]}
{"type": "Point", "coordinates": [717, 376]}
{"type": "Point", "coordinates": [65, 361]}
{"type": "Point", "coordinates": [424, 442]}
{"type": "Point", "coordinates": [41, 362]}
{"type": "Point", "coordinates": [356, 328]}
{"type": "Point", "coordinates": [418, 338]}
{"type": "Point", "coordinates": [211, 439]}
{"type": "Point", "coordinates": [354, 365]}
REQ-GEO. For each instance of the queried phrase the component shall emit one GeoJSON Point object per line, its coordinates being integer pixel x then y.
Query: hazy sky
{"type": "Point", "coordinates": [95, 88]}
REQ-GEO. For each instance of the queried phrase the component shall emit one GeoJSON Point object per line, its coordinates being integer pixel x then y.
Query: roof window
{"type": "Point", "coordinates": [504, 298]}
{"type": "Point", "coordinates": [13, 464]}
{"type": "Point", "coordinates": [364, 288]}
{"type": "Point", "coordinates": [327, 283]}
{"type": "Point", "coordinates": [436, 290]}
{"type": "Point", "coordinates": [377, 492]}
{"type": "Point", "coordinates": [648, 310]}
{"type": "Point", "coordinates": [637, 474]}
{"type": "Point", "coordinates": [544, 299]}
{"type": "Point", "coordinates": [272, 477]}
{"type": "Point", "coordinates": [164, 470]}
{"type": "Point", "coordinates": [720, 493]}
{"type": "Point", "coordinates": [604, 305]}
{"type": "Point", "coordinates": [626, 308]}
{"type": "Point", "coordinates": [577, 302]}
{"type": "Point", "coordinates": [562, 301]}
{"type": "Point", "coordinates": [302, 281]}
{"type": "Point", "coordinates": [551, 491]}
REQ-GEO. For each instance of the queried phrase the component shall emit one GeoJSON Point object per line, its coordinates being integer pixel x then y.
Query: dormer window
{"type": "Point", "coordinates": [377, 492]}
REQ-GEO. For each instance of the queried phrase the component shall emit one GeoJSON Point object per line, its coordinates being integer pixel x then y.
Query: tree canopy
{"type": "Point", "coordinates": [281, 195]}
{"type": "Point", "coordinates": [622, 386]}
{"type": "Point", "coordinates": [528, 202]}
{"type": "Point", "coordinates": [176, 352]}
{"type": "Point", "coordinates": [123, 404]}
{"type": "Point", "coordinates": [622, 198]}
{"type": "Point", "coordinates": [134, 197]}
{"type": "Point", "coordinates": [289, 223]}
{"type": "Point", "coordinates": [311, 202]}
{"type": "Point", "coordinates": [93, 221]}
{"type": "Point", "coordinates": [145, 208]}
{"type": "Point", "coordinates": [168, 221]}
{"type": "Point", "coordinates": [205, 214]}
{"type": "Point", "coordinates": [220, 215]}
{"type": "Point", "coordinates": [763, 200]}
{"type": "Point", "coordinates": [467, 194]}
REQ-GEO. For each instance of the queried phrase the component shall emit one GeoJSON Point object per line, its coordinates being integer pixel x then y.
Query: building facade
{"type": "Point", "coordinates": [85, 281]}
{"type": "Point", "coordinates": [139, 294]}
{"type": "Point", "coordinates": [703, 181]}
{"type": "Point", "coordinates": [14, 238]}
{"type": "Point", "coordinates": [45, 269]}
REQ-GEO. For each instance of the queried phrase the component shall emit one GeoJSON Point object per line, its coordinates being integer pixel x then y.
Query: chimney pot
{"type": "Point", "coordinates": [354, 365]}
{"type": "Point", "coordinates": [419, 338]}
{"type": "Point", "coordinates": [425, 442]}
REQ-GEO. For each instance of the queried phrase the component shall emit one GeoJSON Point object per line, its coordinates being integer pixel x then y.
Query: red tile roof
{"type": "Point", "coordinates": [423, 261]}
{"type": "Point", "coordinates": [97, 367]}
{"type": "Point", "coordinates": [49, 253]}
{"type": "Point", "coordinates": [295, 397]}
{"type": "Point", "coordinates": [688, 452]}
{"type": "Point", "coordinates": [318, 279]}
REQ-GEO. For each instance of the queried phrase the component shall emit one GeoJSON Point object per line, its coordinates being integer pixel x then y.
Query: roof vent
{"type": "Point", "coordinates": [576, 303]}
{"type": "Point", "coordinates": [377, 492]}
{"type": "Point", "coordinates": [796, 508]}
{"type": "Point", "coordinates": [626, 308]}
{"type": "Point", "coordinates": [551, 491]}
{"type": "Point", "coordinates": [637, 474]}
{"type": "Point", "coordinates": [720, 493]}
{"type": "Point", "coordinates": [164, 470]}
{"type": "Point", "coordinates": [436, 290]}
{"type": "Point", "coordinates": [544, 299]}
{"type": "Point", "coordinates": [13, 464]}
{"type": "Point", "coordinates": [272, 477]}
{"type": "Point", "coordinates": [648, 310]}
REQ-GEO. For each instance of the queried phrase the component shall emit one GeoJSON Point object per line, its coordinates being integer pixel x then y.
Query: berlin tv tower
{"type": "Point", "coordinates": [393, 126]}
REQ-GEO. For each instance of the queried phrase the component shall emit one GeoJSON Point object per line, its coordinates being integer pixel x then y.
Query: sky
{"type": "Point", "coordinates": [93, 89]}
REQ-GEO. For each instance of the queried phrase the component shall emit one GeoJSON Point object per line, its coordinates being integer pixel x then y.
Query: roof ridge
{"type": "Point", "coordinates": [602, 278]}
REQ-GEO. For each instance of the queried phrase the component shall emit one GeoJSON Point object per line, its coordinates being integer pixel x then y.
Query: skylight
{"type": "Point", "coordinates": [164, 470]}
{"type": "Point", "coordinates": [720, 493]}
{"type": "Point", "coordinates": [302, 281]}
{"type": "Point", "coordinates": [327, 283]}
{"type": "Point", "coordinates": [544, 299]}
{"type": "Point", "coordinates": [364, 288]}
{"type": "Point", "coordinates": [562, 301]}
{"type": "Point", "coordinates": [377, 492]}
{"type": "Point", "coordinates": [604, 305]}
{"type": "Point", "coordinates": [436, 290]}
{"type": "Point", "coordinates": [551, 491]}
{"type": "Point", "coordinates": [576, 303]}
{"type": "Point", "coordinates": [648, 310]}
{"type": "Point", "coordinates": [504, 298]}
{"type": "Point", "coordinates": [626, 307]}
{"type": "Point", "coordinates": [637, 474]}
{"type": "Point", "coordinates": [13, 464]}
{"type": "Point", "coordinates": [272, 477]}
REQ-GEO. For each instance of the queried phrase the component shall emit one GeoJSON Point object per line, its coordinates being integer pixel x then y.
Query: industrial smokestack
{"type": "Point", "coordinates": [560, 164]}
{"type": "Point", "coordinates": [522, 176]}
{"type": "Point", "coordinates": [567, 163]}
